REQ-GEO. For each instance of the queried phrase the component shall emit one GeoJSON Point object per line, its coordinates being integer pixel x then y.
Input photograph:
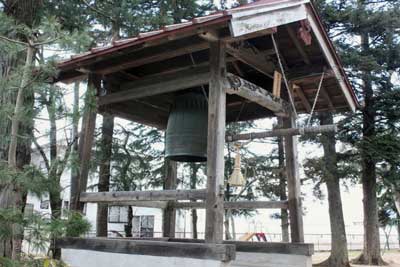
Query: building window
{"type": "Point", "coordinates": [118, 214]}
{"type": "Point", "coordinates": [44, 205]}
{"type": "Point", "coordinates": [143, 226]}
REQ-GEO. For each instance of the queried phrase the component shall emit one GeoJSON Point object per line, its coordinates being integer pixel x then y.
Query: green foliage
{"type": "Point", "coordinates": [28, 179]}
{"type": "Point", "coordinates": [75, 225]}
{"type": "Point", "coordinates": [137, 158]}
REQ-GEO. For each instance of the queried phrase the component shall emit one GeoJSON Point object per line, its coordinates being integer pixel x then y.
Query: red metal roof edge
{"type": "Point", "coordinates": [156, 34]}
{"type": "Point", "coordinates": [137, 40]}
{"type": "Point", "coordinates": [334, 53]}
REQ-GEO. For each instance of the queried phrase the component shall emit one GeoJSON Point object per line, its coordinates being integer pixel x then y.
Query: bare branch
{"type": "Point", "coordinates": [99, 11]}
{"type": "Point", "coordinates": [47, 42]}
{"type": "Point", "coordinates": [42, 153]}
{"type": "Point", "coordinates": [13, 41]}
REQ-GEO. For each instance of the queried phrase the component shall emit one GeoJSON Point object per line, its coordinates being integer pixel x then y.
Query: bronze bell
{"type": "Point", "coordinates": [186, 135]}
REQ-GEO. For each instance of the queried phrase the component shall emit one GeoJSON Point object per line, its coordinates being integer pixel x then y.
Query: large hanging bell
{"type": "Point", "coordinates": [186, 135]}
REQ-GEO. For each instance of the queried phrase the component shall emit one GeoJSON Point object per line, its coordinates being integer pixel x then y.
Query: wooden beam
{"type": "Point", "coordinates": [300, 93]}
{"type": "Point", "coordinates": [215, 144]}
{"type": "Point", "coordinates": [236, 205]}
{"type": "Point", "coordinates": [138, 112]}
{"type": "Point", "coordinates": [169, 213]}
{"type": "Point", "coordinates": [126, 196]}
{"type": "Point", "coordinates": [298, 45]}
{"type": "Point", "coordinates": [161, 204]}
{"type": "Point", "coordinates": [164, 55]}
{"type": "Point", "coordinates": [293, 184]}
{"type": "Point", "coordinates": [158, 85]}
{"type": "Point", "coordinates": [239, 86]}
{"type": "Point", "coordinates": [220, 252]}
{"type": "Point", "coordinates": [202, 205]}
{"type": "Point", "coordinates": [237, 69]}
{"type": "Point", "coordinates": [253, 58]}
{"type": "Point", "coordinates": [327, 98]}
{"type": "Point", "coordinates": [310, 72]}
{"type": "Point", "coordinates": [276, 88]}
{"type": "Point", "coordinates": [283, 133]}
{"type": "Point", "coordinates": [85, 143]}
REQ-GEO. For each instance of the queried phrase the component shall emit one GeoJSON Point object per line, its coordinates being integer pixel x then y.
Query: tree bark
{"type": "Point", "coordinates": [17, 192]}
{"type": "Point", "coordinates": [128, 226]}
{"type": "Point", "coordinates": [75, 147]}
{"type": "Point", "coordinates": [339, 256]}
{"type": "Point", "coordinates": [371, 253]}
{"type": "Point", "coordinates": [105, 173]}
{"type": "Point", "coordinates": [169, 213]}
{"type": "Point", "coordinates": [11, 196]}
{"type": "Point", "coordinates": [398, 228]}
{"type": "Point", "coordinates": [193, 184]}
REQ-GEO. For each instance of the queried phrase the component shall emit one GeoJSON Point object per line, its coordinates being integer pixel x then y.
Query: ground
{"type": "Point", "coordinates": [392, 257]}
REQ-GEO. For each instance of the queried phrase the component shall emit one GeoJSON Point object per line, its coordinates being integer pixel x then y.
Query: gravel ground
{"type": "Point", "coordinates": [392, 257]}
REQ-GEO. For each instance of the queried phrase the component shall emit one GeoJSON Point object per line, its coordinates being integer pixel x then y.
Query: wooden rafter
{"type": "Point", "coordinates": [164, 83]}
{"type": "Point", "coordinates": [327, 98]}
{"type": "Point", "coordinates": [300, 93]}
{"type": "Point", "coordinates": [252, 57]}
{"type": "Point", "coordinates": [156, 57]}
{"type": "Point", "coordinates": [298, 45]}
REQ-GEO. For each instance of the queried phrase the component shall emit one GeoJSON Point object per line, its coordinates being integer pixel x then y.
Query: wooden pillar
{"type": "Point", "coordinates": [86, 140]}
{"type": "Point", "coordinates": [169, 213]}
{"type": "Point", "coordinates": [293, 184]}
{"type": "Point", "coordinates": [215, 145]}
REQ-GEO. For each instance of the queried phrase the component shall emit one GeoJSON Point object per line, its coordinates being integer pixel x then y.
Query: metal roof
{"type": "Point", "coordinates": [220, 17]}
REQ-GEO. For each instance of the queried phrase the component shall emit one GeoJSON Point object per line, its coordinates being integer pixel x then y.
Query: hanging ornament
{"type": "Point", "coordinates": [237, 179]}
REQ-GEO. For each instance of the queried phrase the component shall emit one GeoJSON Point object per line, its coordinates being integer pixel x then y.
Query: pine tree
{"type": "Point", "coordinates": [365, 32]}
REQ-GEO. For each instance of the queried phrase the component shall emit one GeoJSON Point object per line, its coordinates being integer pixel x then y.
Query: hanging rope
{"type": "Point", "coordinates": [316, 98]}
{"type": "Point", "coordinates": [284, 75]}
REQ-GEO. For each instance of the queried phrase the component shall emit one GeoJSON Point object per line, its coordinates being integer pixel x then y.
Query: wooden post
{"type": "Point", "coordinates": [169, 213]}
{"type": "Point", "coordinates": [86, 140]}
{"type": "Point", "coordinates": [215, 145]}
{"type": "Point", "coordinates": [293, 184]}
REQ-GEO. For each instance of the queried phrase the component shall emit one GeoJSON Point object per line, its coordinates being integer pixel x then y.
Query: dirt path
{"type": "Point", "coordinates": [392, 257]}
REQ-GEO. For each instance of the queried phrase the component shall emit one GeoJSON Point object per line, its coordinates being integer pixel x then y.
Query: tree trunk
{"type": "Point", "coordinates": [227, 213]}
{"type": "Point", "coordinates": [193, 183]}
{"type": "Point", "coordinates": [86, 136]}
{"type": "Point", "coordinates": [17, 229]}
{"type": "Point", "coordinates": [128, 226]}
{"type": "Point", "coordinates": [282, 188]}
{"type": "Point", "coordinates": [396, 199]}
{"type": "Point", "coordinates": [10, 195]}
{"type": "Point", "coordinates": [339, 255]}
{"type": "Point", "coordinates": [233, 227]}
{"type": "Point", "coordinates": [12, 150]}
{"type": "Point", "coordinates": [398, 228]}
{"type": "Point", "coordinates": [75, 147]}
{"type": "Point", "coordinates": [371, 252]}
{"type": "Point", "coordinates": [104, 174]}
